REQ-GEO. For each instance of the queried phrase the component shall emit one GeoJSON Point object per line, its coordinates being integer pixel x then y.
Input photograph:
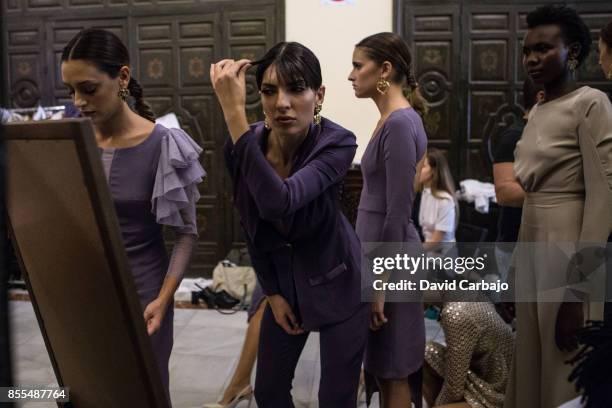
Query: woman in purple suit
{"type": "Point", "coordinates": [152, 174]}
{"type": "Point", "coordinates": [382, 70]}
{"type": "Point", "coordinates": [286, 173]}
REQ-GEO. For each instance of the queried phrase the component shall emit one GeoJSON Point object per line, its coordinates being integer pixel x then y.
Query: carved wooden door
{"type": "Point", "coordinates": [469, 65]}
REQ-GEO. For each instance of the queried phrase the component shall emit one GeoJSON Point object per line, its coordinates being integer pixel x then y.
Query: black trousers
{"type": "Point", "coordinates": [342, 346]}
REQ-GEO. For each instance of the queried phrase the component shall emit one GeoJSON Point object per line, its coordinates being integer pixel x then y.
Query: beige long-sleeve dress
{"type": "Point", "coordinates": [564, 163]}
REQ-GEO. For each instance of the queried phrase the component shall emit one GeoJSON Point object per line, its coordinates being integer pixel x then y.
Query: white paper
{"type": "Point", "coordinates": [169, 121]}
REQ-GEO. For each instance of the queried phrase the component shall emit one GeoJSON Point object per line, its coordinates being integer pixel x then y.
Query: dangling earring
{"type": "Point", "coordinates": [382, 85]}
{"type": "Point", "coordinates": [266, 123]}
{"type": "Point", "coordinates": [124, 93]}
{"type": "Point", "coordinates": [572, 64]}
{"type": "Point", "coordinates": [317, 113]}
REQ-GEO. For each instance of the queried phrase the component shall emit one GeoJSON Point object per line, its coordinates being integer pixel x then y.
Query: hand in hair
{"type": "Point", "coordinates": [229, 82]}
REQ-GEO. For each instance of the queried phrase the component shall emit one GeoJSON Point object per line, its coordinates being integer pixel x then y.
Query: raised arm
{"type": "Point", "coordinates": [276, 198]}
{"type": "Point", "coordinates": [229, 82]}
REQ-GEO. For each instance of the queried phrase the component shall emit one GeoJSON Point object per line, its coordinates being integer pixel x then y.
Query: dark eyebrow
{"type": "Point", "coordinates": [297, 82]}
{"type": "Point", "coordinates": [537, 45]}
{"type": "Point", "coordinates": [268, 85]}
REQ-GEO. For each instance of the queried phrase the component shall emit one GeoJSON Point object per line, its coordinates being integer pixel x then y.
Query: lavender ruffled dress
{"type": "Point", "coordinates": [153, 184]}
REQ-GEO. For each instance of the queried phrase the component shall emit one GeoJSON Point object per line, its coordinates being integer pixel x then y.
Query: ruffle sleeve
{"type": "Point", "coordinates": [175, 192]}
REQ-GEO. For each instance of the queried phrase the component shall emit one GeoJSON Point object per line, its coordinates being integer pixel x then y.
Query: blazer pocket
{"type": "Point", "coordinates": [329, 276]}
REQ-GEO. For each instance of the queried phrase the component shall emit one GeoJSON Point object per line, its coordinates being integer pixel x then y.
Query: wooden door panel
{"type": "Point", "coordinates": [24, 65]}
{"type": "Point", "coordinates": [173, 54]}
{"type": "Point", "coordinates": [434, 36]}
{"type": "Point", "coordinates": [468, 60]}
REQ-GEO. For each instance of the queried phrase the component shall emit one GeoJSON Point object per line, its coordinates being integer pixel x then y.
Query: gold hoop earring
{"type": "Point", "coordinates": [382, 85]}
{"type": "Point", "coordinates": [266, 123]}
{"type": "Point", "coordinates": [317, 113]}
{"type": "Point", "coordinates": [572, 64]}
{"type": "Point", "coordinates": [124, 93]}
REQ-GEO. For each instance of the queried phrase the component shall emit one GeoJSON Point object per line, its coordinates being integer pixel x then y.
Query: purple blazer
{"type": "Point", "coordinates": [301, 244]}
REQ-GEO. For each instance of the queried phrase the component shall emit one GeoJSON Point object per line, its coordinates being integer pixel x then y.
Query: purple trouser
{"type": "Point", "coordinates": [342, 347]}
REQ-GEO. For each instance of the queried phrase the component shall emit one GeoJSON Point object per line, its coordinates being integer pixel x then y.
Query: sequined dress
{"type": "Point", "coordinates": [475, 363]}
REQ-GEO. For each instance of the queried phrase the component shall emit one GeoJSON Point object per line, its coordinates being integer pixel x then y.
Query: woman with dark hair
{"type": "Point", "coordinates": [286, 172]}
{"type": "Point", "coordinates": [563, 163]}
{"type": "Point", "coordinates": [152, 174]}
{"type": "Point", "coordinates": [382, 71]}
{"type": "Point", "coordinates": [605, 50]}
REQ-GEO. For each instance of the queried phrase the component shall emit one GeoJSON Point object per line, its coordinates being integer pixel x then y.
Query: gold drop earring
{"type": "Point", "coordinates": [266, 123]}
{"type": "Point", "coordinates": [382, 85]}
{"type": "Point", "coordinates": [317, 113]}
{"type": "Point", "coordinates": [124, 93]}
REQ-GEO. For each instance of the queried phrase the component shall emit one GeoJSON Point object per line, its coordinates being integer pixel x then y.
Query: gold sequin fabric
{"type": "Point", "coordinates": [475, 363]}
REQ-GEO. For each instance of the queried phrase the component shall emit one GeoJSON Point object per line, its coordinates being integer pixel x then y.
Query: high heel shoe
{"type": "Point", "coordinates": [244, 395]}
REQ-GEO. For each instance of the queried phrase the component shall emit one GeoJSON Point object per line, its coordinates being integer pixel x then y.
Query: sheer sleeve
{"type": "Point", "coordinates": [181, 255]}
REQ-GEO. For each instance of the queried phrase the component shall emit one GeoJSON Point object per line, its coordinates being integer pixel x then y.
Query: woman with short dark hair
{"type": "Point", "coordinates": [287, 172]}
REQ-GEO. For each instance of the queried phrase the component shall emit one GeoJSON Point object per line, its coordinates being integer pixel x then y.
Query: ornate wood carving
{"type": "Point", "coordinates": [469, 66]}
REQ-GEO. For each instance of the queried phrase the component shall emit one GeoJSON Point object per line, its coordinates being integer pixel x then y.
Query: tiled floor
{"type": "Point", "coordinates": [200, 367]}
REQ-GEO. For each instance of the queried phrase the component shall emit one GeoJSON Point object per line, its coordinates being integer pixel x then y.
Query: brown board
{"type": "Point", "coordinates": [67, 237]}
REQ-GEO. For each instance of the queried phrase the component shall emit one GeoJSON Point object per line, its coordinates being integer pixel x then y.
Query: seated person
{"type": "Point", "coordinates": [438, 210]}
{"type": "Point", "coordinates": [472, 370]}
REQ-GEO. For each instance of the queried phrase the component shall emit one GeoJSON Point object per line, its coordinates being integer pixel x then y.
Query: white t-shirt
{"type": "Point", "coordinates": [575, 403]}
{"type": "Point", "coordinates": [437, 214]}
